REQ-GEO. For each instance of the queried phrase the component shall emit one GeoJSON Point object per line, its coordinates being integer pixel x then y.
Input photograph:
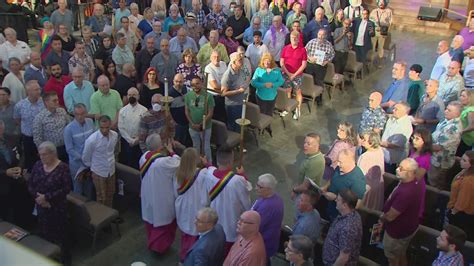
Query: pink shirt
{"type": "Point", "coordinates": [293, 57]}
{"type": "Point", "coordinates": [58, 86]}
{"type": "Point", "coordinates": [247, 252]}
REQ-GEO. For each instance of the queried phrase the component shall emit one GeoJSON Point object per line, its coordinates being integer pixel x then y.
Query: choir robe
{"type": "Point", "coordinates": [157, 198]}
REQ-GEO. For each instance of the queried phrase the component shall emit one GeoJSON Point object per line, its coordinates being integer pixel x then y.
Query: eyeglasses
{"type": "Point", "coordinates": [244, 222]}
{"type": "Point", "coordinates": [260, 187]}
{"type": "Point", "coordinates": [199, 221]}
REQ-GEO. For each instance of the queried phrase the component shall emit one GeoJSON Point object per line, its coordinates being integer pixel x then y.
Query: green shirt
{"type": "Point", "coordinates": [468, 137]}
{"type": "Point", "coordinates": [416, 91]}
{"type": "Point", "coordinates": [313, 168]}
{"type": "Point", "coordinates": [204, 55]}
{"type": "Point", "coordinates": [195, 105]}
{"type": "Point", "coordinates": [108, 104]}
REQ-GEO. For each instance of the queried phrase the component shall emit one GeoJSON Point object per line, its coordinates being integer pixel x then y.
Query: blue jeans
{"type": "Point", "coordinates": [233, 112]}
{"type": "Point", "coordinates": [196, 137]}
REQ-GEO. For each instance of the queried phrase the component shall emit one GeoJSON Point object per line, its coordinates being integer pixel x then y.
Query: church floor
{"type": "Point", "coordinates": [279, 155]}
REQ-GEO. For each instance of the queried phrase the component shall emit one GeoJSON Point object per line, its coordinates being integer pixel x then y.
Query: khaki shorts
{"type": "Point", "coordinates": [393, 248]}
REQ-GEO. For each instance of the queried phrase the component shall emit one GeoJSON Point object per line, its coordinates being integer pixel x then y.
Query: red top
{"type": "Point", "coordinates": [58, 86]}
{"type": "Point", "coordinates": [293, 57]}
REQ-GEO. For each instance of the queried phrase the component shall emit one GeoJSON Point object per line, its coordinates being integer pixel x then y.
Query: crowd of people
{"type": "Point", "coordinates": [144, 82]}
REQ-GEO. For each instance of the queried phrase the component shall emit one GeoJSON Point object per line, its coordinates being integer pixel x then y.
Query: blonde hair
{"type": "Point", "coordinates": [188, 165]}
{"type": "Point", "coordinates": [266, 56]}
{"type": "Point", "coordinates": [470, 95]}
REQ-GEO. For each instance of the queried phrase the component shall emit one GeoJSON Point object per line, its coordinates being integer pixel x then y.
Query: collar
{"type": "Point", "coordinates": [204, 233]}
{"type": "Point", "coordinates": [314, 155]}
{"type": "Point", "coordinates": [35, 68]}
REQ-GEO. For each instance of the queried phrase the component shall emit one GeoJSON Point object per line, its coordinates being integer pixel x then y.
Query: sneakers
{"type": "Point", "coordinates": [297, 114]}
{"type": "Point", "coordinates": [283, 114]}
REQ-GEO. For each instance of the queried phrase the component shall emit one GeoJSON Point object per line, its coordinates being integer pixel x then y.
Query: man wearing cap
{"type": "Point", "coordinates": [234, 89]}
{"type": "Point", "coordinates": [416, 88]}
{"type": "Point", "coordinates": [256, 49]}
{"type": "Point", "coordinates": [182, 42]}
{"type": "Point", "coordinates": [156, 34]}
{"type": "Point", "coordinates": [354, 10]}
{"type": "Point", "coordinates": [195, 31]}
{"type": "Point", "coordinates": [238, 23]}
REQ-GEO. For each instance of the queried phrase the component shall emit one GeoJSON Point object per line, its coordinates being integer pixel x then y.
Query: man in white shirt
{"type": "Point", "coordinates": [256, 49]}
{"type": "Point", "coordinates": [214, 71]}
{"type": "Point", "coordinates": [442, 62]}
{"type": "Point", "coordinates": [157, 168]}
{"type": "Point", "coordinates": [99, 156]}
{"type": "Point", "coordinates": [234, 190]}
{"type": "Point", "coordinates": [14, 48]}
{"type": "Point", "coordinates": [128, 125]}
{"type": "Point", "coordinates": [396, 135]}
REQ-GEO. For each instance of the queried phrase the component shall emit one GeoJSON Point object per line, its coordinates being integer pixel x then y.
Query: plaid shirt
{"type": "Point", "coordinates": [318, 45]}
{"type": "Point", "coordinates": [444, 259]}
{"type": "Point", "coordinates": [448, 136]}
{"type": "Point", "coordinates": [200, 18]}
{"type": "Point", "coordinates": [216, 20]}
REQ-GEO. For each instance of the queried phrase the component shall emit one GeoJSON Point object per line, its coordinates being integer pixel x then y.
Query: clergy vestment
{"type": "Point", "coordinates": [191, 196]}
{"type": "Point", "coordinates": [157, 198]}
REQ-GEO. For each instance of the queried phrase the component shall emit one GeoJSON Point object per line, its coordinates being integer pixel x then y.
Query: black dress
{"type": "Point", "coordinates": [146, 94]}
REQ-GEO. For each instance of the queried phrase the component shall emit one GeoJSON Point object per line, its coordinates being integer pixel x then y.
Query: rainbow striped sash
{"type": "Point", "coordinates": [220, 185]}
{"type": "Point", "coordinates": [150, 158]}
{"type": "Point", "coordinates": [187, 184]}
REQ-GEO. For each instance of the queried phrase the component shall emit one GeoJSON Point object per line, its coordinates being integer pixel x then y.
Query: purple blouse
{"type": "Point", "coordinates": [271, 214]}
{"type": "Point", "coordinates": [230, 44]}
{"type": "Point", "coordinates": [468, 38]}
{"type": "Point", "coordinates": [189, 72]}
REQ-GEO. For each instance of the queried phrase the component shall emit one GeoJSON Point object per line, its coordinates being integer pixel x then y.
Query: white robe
{"type": "Point", "coordinates": [231, 203]}
{"type": "Point", "coordinates": [16, 86]}
{"type": "Point", "coordinates": [157, 190]}
{"type": "Point", "coordinates": [195, 198]}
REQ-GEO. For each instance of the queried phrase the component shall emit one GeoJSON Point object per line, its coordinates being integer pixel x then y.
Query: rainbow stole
{"type": "Point", "coordinates": [220, 185]}
{"type": "Point", "coordinates": [151, 158]}
{"type": "Point", "coordinates": [187, 184]}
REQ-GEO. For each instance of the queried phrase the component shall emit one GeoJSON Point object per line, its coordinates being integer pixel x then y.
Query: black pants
{"type": "Point", "coordinates": [463, 221]}
{"type": "Point", "coordinates": [129, 155]}
{"type": "Point", "coordinates": [462, 148]}
{"type": "Point", "coordinates": [30, 153]}
{"type": "Point", "coordinates": [62, 154]}
{"type": "Point", "coordinates": [361, 53]}
{"type": "Point", "coordinates": [266, 107]}
{"type": "Point", "coordinates": [318, 72]}
{"type": "Point", "coordinates": [340, 60]}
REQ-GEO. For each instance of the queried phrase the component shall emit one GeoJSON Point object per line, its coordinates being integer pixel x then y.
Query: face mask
{"type": "Point", "coordinates": [132, 100]}
{"type": "Point", "coordinates": [156, 107]}
{"type": "Point", "coordinates": [231, 10]}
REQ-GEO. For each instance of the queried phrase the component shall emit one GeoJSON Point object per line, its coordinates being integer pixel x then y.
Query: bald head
{"type": "Point", "coordinates": [453, 68]}
{"type": "Point", "coordinates": [248, 224]}
{"type": "Point", "coordinates": [128, 70]}
{"type": "Point", "coordinates": [346, 161]}
{"type": "Point", "coordinates": [375, 99]}
{"type": "Point", "coordinates": [443, 47]}
{"type": "Point", "coordinates": [35, 58]}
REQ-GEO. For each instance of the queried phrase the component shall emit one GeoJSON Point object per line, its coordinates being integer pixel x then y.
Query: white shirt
{"type": "Point", "coordinates": [157, 190]}
{"type": "Point", "coordinates": [231, 203]}
{"type": "Point", "coordinates": [215, 73]}
{"type": "Point", "coordinates": [129, 121]}
{"type": "Point", "coordinates": [99, 153]}
{"type": "Point", "coordinates": [21, 51]}
{"type": "Point", "coordinates": [440, 66]}
{"type": "Point", "coordinates": [189, 203]}
{"type": "Point", "coordinates": [361, 34]}
{"type": "Point", "coordinates": [16, 86]}
{"type": "Point", "coordinates": [398, 132]}
{"type": "Point", "coordinates": [254, 53]}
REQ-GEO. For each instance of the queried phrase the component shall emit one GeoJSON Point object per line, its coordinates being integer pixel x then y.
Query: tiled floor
{"type": "Point", "coordinates": [279, 155]}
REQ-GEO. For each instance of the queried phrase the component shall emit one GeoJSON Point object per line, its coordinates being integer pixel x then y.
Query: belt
{"type": "Point", "coordinates": [469, 87]}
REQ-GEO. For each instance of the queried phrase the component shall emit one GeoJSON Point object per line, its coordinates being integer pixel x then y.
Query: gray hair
{"type": "Point", "coordinates": [30, 83]}
{"type": "Point", "coordinates": [303, 245]}
{"type": "Point", "coordinates": [11, 59]}
{"type": "Point", "coordinates": [10, 30]}
{"type": "Point", "coordinates": [48, 146]}
{"type": "Point", "coordinates": [373, 138]}
{"type": "Point", "coordinates": [133, 5]}
{"type": "Point", "coordinates": [153, 142]}
{"type": "Point", "coordinates": [412, 164]}
{"type": "Point", "coordinates": [457, 105]}
{"type": "Point", "coordinates": [268, 180]}
{"type": "Point", "coordinates": [80, 106]}
{"type": "Point", "coordinates": [211, 214]}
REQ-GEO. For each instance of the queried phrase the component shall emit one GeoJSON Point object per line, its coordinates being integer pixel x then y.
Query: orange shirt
{"type": "Point", "coordinates": [462, 194]}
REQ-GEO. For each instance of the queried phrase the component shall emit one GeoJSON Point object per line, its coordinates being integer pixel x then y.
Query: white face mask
{"type": "Point", "coordinates": [156, 107]}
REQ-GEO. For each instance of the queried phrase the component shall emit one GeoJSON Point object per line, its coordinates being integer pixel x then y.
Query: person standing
{"type": "Point", "coordinates": [99, 156]}
{"type": "Point", "coordinates": [373, 117]}
{"type": "Point", "coordinates": [57, 82]}
{"type": "Point", "coordinates": [49, 124]}
{"type": "Point", "coordinates": [178, 110]}
{"type": "Point", "coordinates": [382, 17]}
{"type": "Point", "coordinates": [270, 207]}
{"type": "Point", "coordinates": [249, 249]}
{"type": "Point", "coordinates": [77, 91]}
{"type": "Point", "coordinates": [122, 54]}
{"type": "Point", "coordinates": [275, 36]}
{"type": "Point", "coordinates": [400, 215]}
{"type": "Point", "coordinates": [62, 16]}
{"type": "Point", "coordinates": [363, 31]}
{"type": "Point", "coordinates": [312, 168]}
{"type": "Point", "coordinates": [342, 43]}
{"type": "Point", "coordinates": [105, 101]}
{"type": "Point", "coordinates": [234, 90]}
{"type": "Point", "coordinates": [157, 168]}
{"type": "Point", "coordinates": [35, 70]}
{"type": "Point", "coordinates": [15, 80]}
{"type": "Point", "coordinates": [75, 135]}
{"type": "Point", "coordinates": [398, 89]}
{"type": "Point", "coordinates": [24, 113]}
{"type": "Point", "coordinates": [199, 108]}
{"type": "Point", "coordinates": [344, 238]}
{"type": "Point", "coordinates": [128, 125]}
{"type": "Point", "coordinates": [82, 60]}
{"type": "Point", "coordinates": [209, 248]}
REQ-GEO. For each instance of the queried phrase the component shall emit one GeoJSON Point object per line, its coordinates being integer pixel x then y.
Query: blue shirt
{"type": "Point", "coordinates": [311, 29]}
{"type": "Point", "coordinates": [178, 48]}
{"type": "Point", "coordinates": [248, 33]}
{"type": "Point", "coordinates": [145, 26]}
{"type": "Point", "coordinates": [397, 91]}
{"type": "Point", "coordinates": [308, 224]}
{"type": "Point", "coordinates": [260, 77]}
{"type": "Point", "coordinates": [118, 14]}
{"type": "Point", "coordinates": [62, 59]}
{"type": "Point", "coordinates": [75, 136]}
{"type": "Point", "coordinates": [74, 95]}
{"type": "Point", "coordinates": [33, 73]}
{"type": "Point", "coordinates": [170, 22]}
{"type": "Point", "coordinates": [27, 111]}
